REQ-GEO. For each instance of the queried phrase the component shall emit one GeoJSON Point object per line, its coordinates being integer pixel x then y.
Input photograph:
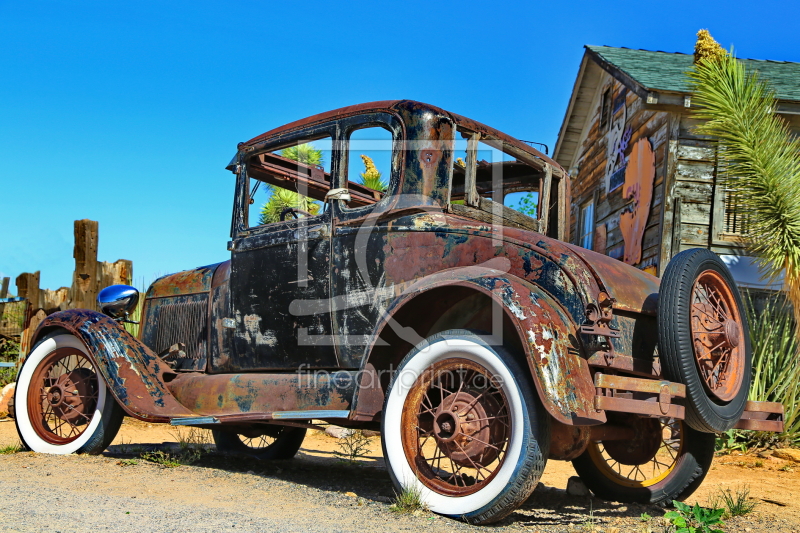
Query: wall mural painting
{"type": "Point", "coordinates": [640, 174]}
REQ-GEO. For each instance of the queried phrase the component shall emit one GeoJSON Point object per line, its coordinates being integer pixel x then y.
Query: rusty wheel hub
{"type": "Point", "coordinates": [642, 448]}
{"type": "Point", "coordinates": [460, 428]}
{"type": "Point", "coordinates": [717, 335]}
{"type": "Point", "coordinates": [455, 427]}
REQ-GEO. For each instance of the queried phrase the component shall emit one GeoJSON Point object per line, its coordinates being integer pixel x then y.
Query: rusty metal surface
{"type": "Point", "coordinates": [760, 425]}
{"type": "Point", "coordinates": [764, 407]}
{"type": "Point", "coordinates": [259, 395]}
{"type": "Point", "coordinates": [609, 381]}
{"type": "Point", "coordinates": [626, 363]}
{"type": "Point", "coordinates": [186, 282]}
{"type": "Point", "coordinates": [762, 416]}
{"type": "Point", "coordinates": [398, 107]}
{"type": "Point", "coordinates": [640, 407]}
{"type": "Point", "coordinates": [134, 374]}
{"type": "Point", "coordinates": [568, 442]}
{"type": "Point", "coordinates": [633, 289]}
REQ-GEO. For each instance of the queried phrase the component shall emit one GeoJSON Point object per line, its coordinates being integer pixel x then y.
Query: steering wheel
{"type": "Point", "coordinates": [294, 211]}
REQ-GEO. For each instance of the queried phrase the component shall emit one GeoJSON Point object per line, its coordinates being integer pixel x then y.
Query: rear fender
{"type": "Point", "coordinates": [548, 337]}
{"type": "Point", "coordinates": [134, 374]}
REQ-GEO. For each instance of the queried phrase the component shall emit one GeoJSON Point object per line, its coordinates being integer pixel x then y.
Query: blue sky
{"type": "Point", "coordinates": [127, 113]}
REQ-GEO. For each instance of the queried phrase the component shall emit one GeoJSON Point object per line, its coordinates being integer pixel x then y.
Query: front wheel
{"type": "Point", "coordinates": [266, 443]}
{"type": "Point", "coordinates": [464, 428]}
{"type": "Point", "coordinates": [61, 401]}
{"type": "Point", "coordinates": [666, 460]}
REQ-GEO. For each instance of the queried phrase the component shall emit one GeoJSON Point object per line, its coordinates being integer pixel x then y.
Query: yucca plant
{"type": "Point", "coordinates": [303, 153]}
{"type": "Point", "coordinates": [280, 199]}
{"type": "Point", "coordinates": [758, 158]}
{"type": "Point", "coordinates": [371, 177]}
{"type": "Point", "coordinates": [776, 374]}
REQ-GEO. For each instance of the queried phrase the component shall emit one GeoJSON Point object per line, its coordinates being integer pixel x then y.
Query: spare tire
{"type": "Point", "coordinates": [704, 341]}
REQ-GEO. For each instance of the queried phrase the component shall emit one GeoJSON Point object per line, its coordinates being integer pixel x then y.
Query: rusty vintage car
{"type": "Point", "coordinates": [478, 340]}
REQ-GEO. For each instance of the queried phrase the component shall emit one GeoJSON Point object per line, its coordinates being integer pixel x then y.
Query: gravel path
{"type": "Point", "coordinates": [313, 492]}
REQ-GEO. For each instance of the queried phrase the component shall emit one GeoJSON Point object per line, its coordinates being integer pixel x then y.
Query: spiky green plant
{"type": "Point", "coordinates": [371, 177]}
{"type": "Point", "coordinates": [758, 158]}
{"type": "Point", "coordinates": [280, 199]}
{"type": "Point", "coordinates": [303, 153]}
{"type": "Point", "coordinates": [776, 374]}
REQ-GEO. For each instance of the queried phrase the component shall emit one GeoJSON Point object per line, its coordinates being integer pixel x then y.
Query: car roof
{"type": "Point", "coordinates": [396, 107]}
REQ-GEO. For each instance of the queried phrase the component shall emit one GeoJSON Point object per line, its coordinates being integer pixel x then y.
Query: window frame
{"type": "Point", "coordinates": [241, 212]}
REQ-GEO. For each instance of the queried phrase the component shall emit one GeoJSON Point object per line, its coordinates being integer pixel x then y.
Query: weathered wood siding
{"type": "Point", "coordinates": [700, 195]}
{"type": "Point", "coordinates": [590, 179]}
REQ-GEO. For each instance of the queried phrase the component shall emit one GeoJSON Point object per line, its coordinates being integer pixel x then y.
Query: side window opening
{"type": "Point", "coordinates": [369, 163]}
{"type": "Point", "coordinates": [499, 176]}
{"type": "Point", "coordinates": [290, 182]}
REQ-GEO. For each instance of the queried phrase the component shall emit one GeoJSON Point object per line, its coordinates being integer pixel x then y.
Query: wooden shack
{"type": "Point", "coordinates": [644, 183]}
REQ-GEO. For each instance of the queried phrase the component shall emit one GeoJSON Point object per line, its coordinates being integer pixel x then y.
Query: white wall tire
{"type": "Point", "coordinates": [511, 475]}
{"type": "Point", "coordinates": [48, 372]}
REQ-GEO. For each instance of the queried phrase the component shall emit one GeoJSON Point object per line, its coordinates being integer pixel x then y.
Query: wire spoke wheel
{"type": "Point", "coordinates": [262, 442]}
{"type": "Point", "coordinates": [717, 335]}
{"type": "Point", "coordinates": [61, 400]}
{"type": "Point", "coordinates": [456, 427]}
{"type": "Point", "coordinates": [665, 460]}
{"type": "Point", "coordinates": [259, 442]}
{"type": "Point", "coordinates": [645, 460]}
{"type": "Point", "coordinates": [704, 340]}
{"type": "Point", "coordinates": [63, 396]}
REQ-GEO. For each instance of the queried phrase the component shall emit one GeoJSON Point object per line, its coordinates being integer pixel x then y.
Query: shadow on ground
{"type": "Point", "coordinates": [368, 478]}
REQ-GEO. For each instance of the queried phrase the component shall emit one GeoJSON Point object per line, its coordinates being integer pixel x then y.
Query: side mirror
{"type": "Point", "coordinates": [118, 301]}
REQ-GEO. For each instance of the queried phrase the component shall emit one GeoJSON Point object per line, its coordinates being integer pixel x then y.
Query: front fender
{"type": "Point", "coordinates": [548, 336]}
{"type": "Point", "coordinates": [133, 373]}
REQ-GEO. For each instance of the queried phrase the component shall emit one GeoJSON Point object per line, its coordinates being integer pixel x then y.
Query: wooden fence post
{"type": "Point", "coordinates": [28, 288]}
{"type": "Point", "coordinates": [84, 281]}
{"type": "Point", "coordinates": [3, 294]}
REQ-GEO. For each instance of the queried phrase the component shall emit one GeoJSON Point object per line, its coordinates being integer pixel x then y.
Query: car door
{"type": "Point", "coordinates": [276, 266]}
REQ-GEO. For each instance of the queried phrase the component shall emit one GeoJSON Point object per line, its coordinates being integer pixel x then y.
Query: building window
{"type": "Point", "coordinates": [586, 225]}
{"type": "Point", "coordinates": [735, 216]}
{"type": "Point", "coordinates": [605, 108]}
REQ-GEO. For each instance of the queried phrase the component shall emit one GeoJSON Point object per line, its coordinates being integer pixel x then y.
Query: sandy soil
{"type": "Point", "coordinates": [318, 492]}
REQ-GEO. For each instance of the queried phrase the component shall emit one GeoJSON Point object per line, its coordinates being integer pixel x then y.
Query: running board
{"type": "Point", "coordinates": [194, 421]}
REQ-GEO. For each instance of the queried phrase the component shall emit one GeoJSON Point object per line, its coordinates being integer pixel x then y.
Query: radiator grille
{"type": "Point", "coordinates": [186, 323]}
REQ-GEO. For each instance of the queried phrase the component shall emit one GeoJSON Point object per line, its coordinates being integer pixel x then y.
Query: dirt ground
{"type": "Point", "coordinates": [317, 491]}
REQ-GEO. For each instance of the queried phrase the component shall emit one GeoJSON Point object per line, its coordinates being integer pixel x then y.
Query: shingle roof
{"type": "Point", "coordinates": [664, 71]}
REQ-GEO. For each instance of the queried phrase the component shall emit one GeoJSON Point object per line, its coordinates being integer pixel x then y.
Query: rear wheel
{"type": "Point", "coordinates": [463, 426]}
{"type": "Point", "coordinates": [61, 401]}
{"type": "Point", "coordinates": [665, 461]}
{"type": "Point", "coordinates": [275, 442]}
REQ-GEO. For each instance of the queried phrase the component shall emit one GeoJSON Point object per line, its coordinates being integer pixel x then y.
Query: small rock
{"type": "Point", "coordinates": [575, 487]}
{"type": "Point", "coordinates": [339, 432]}
{"type": "Point", "coordinates": [6, 394]}
{"type": "Point", "coordinates": [351, 494]}
{"type": "Point", "coordinates": [788, 454]}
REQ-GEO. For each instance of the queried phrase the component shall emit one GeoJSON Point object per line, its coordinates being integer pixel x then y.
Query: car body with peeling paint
{"type": "Point", "coordinates": [475, 337]}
